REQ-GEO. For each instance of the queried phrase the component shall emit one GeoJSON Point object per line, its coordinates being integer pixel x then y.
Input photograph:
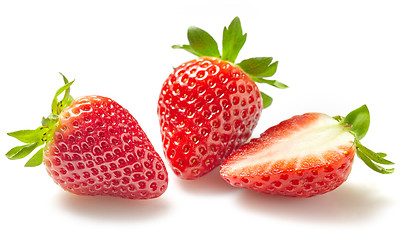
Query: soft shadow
{"type": "Point", "coordinates": [210, 183]}
{"type": "Point", "coordinates": [113, 208]}
{"type": "Point", "coordinates": [346, 204]}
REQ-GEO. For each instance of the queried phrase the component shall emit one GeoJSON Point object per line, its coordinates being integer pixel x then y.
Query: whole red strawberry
{"type": "Point", "coordinates": [303, 156]}
{"type": "Point", "coordinates": [93, 146]}
{"type": "Point", "coordinates": [209, 106]}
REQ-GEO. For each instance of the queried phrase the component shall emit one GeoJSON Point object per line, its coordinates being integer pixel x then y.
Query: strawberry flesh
{"type": "Point", "coordinates": [303, 156]}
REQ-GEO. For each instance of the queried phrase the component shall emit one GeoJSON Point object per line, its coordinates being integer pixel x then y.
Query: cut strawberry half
{"type": "Point", "coordinates": [303, 156]}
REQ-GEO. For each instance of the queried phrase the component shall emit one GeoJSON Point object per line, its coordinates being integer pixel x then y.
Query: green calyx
{"type": "Point", "coordinates": [259, 68]}
{"type": "Point", "coordinates": [357, 123]}
{"type": "Point", "coordinates": [43, 134]}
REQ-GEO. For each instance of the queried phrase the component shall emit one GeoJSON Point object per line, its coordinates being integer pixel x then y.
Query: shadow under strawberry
{"type": "Point", "coordinates": [109, 208]}
{"type": "Point", "coordinates": [350, 203]}
{"type": "Point", "coordinates": [211, 184]}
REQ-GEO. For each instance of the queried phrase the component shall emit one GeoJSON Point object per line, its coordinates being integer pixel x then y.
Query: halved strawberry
{"type": "Point", "coordinates": [303, 156]}
{"type": "Point", "coordinates": [209, 106]}
{"type": "Point", "coordinates": [94, 146]}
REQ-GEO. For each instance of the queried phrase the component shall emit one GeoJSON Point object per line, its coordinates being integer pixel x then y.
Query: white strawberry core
{"type": "Point", "coordinates": [313, 142]}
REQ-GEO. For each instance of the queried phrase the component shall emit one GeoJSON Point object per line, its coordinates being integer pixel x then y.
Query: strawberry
{"type": "Point", "coordinates": [303, 156]}
{"type": "Point", "coordinates": [209, 106]}
{"type": "Point", "coordinates": [93, 146]}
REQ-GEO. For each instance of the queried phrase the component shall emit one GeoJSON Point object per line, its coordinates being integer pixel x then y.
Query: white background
{"type": "Point", "coordinates": [334, 55]}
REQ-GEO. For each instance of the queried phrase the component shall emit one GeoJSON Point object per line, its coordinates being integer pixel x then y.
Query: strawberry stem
{"type": "Point", "coordinates": [43, 134]}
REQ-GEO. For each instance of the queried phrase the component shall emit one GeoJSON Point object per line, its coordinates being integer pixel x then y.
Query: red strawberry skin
{"type": "Point", "coordinates": [305, 175]}
{"type": "Point", "coordinates": [98, 148]}
{"type": "Point", "coordinates": [207, 108]}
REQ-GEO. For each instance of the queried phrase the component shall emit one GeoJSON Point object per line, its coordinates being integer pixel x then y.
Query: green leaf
{"type": "Point", "coordinates": [233, 40]}
{"type": "Point", "coordinates": [50, 120]}
{"type": "Point", "coordinates": [359, 120]}
{"type": "Point", "coordinates": [338, 118]}
{"type": "Point", "coordinates": [57, 106]}
{"type": "Point", "coordinates": [29, 136]}
{"type": "Point", "coordinates": [370, 158]}
{"type": "Point", "coordinates": [376, 157]}
{"type": "Point", "coordinates": [270, 71]}
{"type": "Point", "coordinates": [36, 159]}
{"type": "Point", "coordinates": [21, 151]}
{"type": "Point", "coordinates": [372, 165]}
{"type": "Point", "coordinates": [255, 66]}
{"type": "Point", "coordinates": [67, 99]}
{"type": "Point", "coordinates": [267, 100]}
{"type": "Point", "coordinates": [276, 84]}
{"type": "Point", "coordinates": [202, 43]}
{"type": "Point", "coordinates": [382, 155]}
{"type": "Point", "coordinates": [273, 83]}
{"type": "Point", "coordinates": [187, 48]}
{"type": "Point", "coordinates": [259, 66]}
